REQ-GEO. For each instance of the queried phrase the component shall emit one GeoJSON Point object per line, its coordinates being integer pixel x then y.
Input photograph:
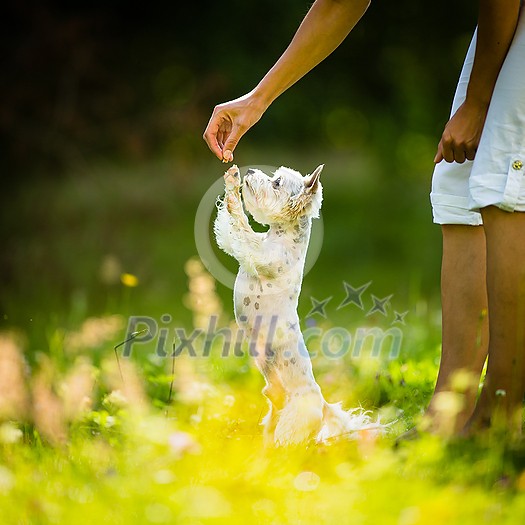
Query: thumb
{"type": "Point", "coordinates": [439, 154]}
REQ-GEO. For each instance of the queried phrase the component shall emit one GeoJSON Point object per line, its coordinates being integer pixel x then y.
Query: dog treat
{"type": "Point", "coordinates": [227, 156]}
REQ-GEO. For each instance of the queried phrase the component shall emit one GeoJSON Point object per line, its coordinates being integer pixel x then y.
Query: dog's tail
{"type": "Point", "coordinates": [341, 423]}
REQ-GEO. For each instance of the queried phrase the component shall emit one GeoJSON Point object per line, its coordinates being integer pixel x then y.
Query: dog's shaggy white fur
{"type": "Point", "coordinates": [266, 295]}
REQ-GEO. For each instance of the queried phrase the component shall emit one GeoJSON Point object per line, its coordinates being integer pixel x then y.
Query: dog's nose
{"type": "Point", "coordinates": [250, 171]}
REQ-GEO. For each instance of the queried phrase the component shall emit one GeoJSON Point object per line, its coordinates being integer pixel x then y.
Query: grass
{"type": "Point", "coordinates": [82, 442]}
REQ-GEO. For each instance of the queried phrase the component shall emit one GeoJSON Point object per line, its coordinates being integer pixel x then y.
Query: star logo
{"type": "Point", "coordinates": [318, 307]}
{"type": "Point", "coordinates": [380, 305]}
{"type": "Point", "coordinates": [399, 317]}
{"type": "Point", "coordinates": [353, 295]}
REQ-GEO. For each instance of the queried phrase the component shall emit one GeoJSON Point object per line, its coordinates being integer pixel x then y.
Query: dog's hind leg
{"type": "Point", "coordinates": [274, 393]}
{"type": "Point", "coordinates": [300, 419]}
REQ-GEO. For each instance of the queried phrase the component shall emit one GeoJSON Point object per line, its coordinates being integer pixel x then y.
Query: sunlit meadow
{"type": "Point", "coordinates": [90, 435]}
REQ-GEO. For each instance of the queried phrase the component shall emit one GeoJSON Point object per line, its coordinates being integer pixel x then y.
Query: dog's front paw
{"type": "Point", "coordinates": [232, 202]}
{"type": "Point", "coordinates": [232, 178]}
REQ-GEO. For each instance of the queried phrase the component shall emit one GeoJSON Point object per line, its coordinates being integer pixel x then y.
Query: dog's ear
{"type": "Point", "coordinates": [300, 203]}
{"type": "Point", "coordinates": [311, 182]}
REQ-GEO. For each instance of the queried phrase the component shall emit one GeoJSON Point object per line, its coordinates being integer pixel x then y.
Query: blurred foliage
{"type": "Point", "coordinates": [68, 243]}
{"type": "Point", "coordinates": [82, 441]}
{"type": "Point", "coordinates": [91, 90]}
{"type": "Point", "coordinates": [103, 168]}
{"type": "Point", "coordinates": [86, 80]}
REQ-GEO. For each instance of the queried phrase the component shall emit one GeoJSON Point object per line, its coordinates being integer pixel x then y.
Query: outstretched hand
{"type": "Point", "coordinates": [462, 134]}
{"type": "Point", "coordinates": [229, 122]}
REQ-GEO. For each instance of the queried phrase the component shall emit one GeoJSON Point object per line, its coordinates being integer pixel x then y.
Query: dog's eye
{"type": "Point", "coordinates": [277, 182]}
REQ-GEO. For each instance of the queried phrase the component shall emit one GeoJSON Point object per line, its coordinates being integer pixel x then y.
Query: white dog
{"type": "Point", "coordinates": [266, 295]}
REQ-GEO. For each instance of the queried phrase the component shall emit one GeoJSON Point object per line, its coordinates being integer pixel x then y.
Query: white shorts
{"type": "Point", "coordinates": [497, 174]}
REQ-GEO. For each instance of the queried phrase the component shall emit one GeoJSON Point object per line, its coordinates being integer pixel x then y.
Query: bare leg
{"type": "Point", "coordinates": [465, 327]}
{"type": "Point", "coordinates": [504, 387]}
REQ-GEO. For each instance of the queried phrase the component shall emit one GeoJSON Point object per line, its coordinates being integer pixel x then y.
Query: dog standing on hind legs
{"type": "Point", "coordinates": [266, 294]}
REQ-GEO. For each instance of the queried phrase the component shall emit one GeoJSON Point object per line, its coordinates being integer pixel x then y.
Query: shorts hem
{"type": "Point", "coordinates": [452, 209]}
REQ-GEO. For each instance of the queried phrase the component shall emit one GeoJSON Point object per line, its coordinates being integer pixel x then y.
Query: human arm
{"type": "Point", "coordinates": [326, 25]}
{"type": "Point", "coordinates": [497, 21]}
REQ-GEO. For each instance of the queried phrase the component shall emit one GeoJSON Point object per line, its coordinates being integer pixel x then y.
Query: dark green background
{"type": "Point", "coordinates": [103, 105]}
